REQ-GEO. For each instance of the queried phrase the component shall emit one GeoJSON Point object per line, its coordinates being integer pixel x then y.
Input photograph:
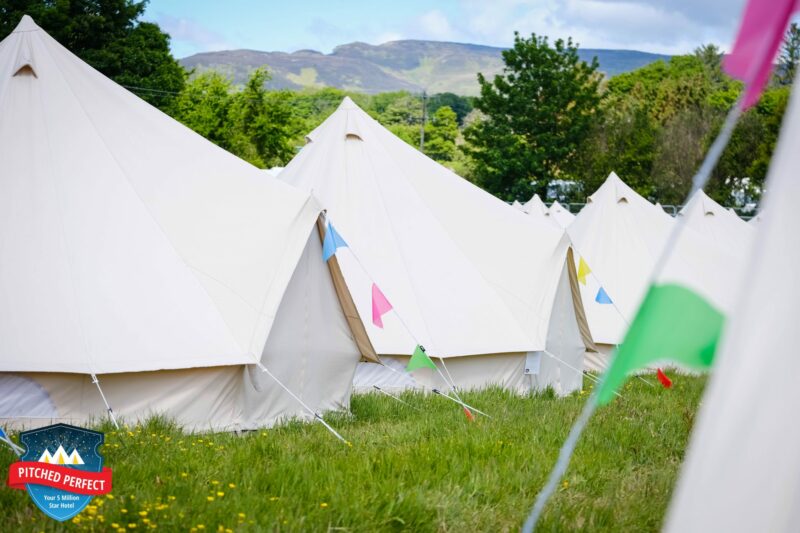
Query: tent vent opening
{"type": "Point", "coordinates": [353, 136]}
{"type": "Point", "coordinates": [622, 200]}
{"type": "Point", "coordinates": [26, 70]}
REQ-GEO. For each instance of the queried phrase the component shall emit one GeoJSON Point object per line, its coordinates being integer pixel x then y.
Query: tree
{"type": "Point", "coordinates": [461, 105]}
{"type": "Point", "coordinates": [622, 140]}
{"type": "Point", "coordinates": [711, 57]}
{"type": "Point", "coordinates": [204, 106]}
{"type": "Point", "coordinates": [537, 114]}
{"type": "Point", "coordinates": [441, 134]}
{"type": "Point", "coordinates": [790, 55]}
{"type": "Point", "coordinates": [261, 122]}
{"type": "Point", "coordinates": [108, 35]}
{"type": "Point", "coordinates": [252, 123]}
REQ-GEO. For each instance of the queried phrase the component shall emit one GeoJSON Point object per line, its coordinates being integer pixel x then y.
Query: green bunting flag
{"type": "Point", "coordinates": [674, 323]}
{"type": "Point", "coordinates": [419, 359]}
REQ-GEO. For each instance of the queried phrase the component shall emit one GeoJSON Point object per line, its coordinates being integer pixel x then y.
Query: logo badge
{"type": "Point", "coordinates": [61, 469]}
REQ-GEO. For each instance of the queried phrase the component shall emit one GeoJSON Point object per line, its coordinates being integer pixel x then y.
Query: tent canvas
{"type": "Point", "coordinates": [742, 469]}
{"type": "Point", "coordinates": [618, 235]}
{"type": "Point", "coordinates": [535, 206]}
{"type": "Point", "coordinates": [147, 253]}
{"type": "Point", "coordinates": [716, 223]}
{"type": "Point", "coordinates": [468, 276]}
{"type": "Point", "coordinates": [560, 215]}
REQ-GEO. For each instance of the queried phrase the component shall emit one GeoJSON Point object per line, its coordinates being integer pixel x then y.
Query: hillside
{"type": "Point", "coordinates": [398, 65]}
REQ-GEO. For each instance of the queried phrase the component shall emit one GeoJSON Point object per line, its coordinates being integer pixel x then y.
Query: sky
{"type": "Point", "coordinates": [663, 26]}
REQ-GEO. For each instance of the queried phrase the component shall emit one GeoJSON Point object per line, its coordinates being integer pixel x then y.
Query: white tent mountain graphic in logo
{"type": "Point", "coordinates": [60, 457]}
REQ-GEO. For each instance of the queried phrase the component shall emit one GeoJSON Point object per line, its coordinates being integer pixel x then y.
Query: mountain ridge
{"type": "Point", "coordinates": [412, 65]}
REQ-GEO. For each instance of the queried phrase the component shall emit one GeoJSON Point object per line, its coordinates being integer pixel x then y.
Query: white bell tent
{"type": "Point", "coordinates": [560, 215]}
{"type": "Point", "coordinates": [535, 206]}
{"type": "Point", "coordinates": [742, 469]}
{"type": "Point", "coordinates": [718, 224]}
{"type": "Point", "coordinates": [138, 252]}
{"type": "Point", "coordinates": [469, 277]}
{"type": "Point", "coordinates": [616, 238]}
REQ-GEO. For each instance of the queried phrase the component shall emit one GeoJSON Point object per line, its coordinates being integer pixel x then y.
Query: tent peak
{"type": "Point", "coordinates": [26, 23]}
{"type": "Point", "coordinates": [24, 64]}
{"type": "Point", "coordinates": [348, 103]}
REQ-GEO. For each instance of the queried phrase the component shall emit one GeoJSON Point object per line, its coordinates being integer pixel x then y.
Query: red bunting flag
{"type": "Point", "coordinates": [469, 414]}
{"type": "Point", "coordinates": [662, 377]}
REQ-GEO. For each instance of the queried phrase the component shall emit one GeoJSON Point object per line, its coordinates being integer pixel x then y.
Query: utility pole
{"type": "Point", "coordinates": [422, 124]}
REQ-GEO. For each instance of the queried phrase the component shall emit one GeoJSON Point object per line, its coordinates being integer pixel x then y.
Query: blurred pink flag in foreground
{"type": "Point", "coordinates": [760, 35]}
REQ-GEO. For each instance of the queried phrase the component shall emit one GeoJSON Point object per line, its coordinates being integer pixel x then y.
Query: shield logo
{"type": "Point", "coordinates": [68, 446]}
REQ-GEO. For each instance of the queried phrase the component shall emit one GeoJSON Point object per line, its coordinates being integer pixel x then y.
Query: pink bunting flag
{"type": "Point", "coordinates": [380, 306]}
{"type": "Point", "coordinates": [760, 35]}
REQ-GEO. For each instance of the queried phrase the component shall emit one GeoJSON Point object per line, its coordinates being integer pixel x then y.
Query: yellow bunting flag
{"type": "Point", "coordinates": [583, 271]}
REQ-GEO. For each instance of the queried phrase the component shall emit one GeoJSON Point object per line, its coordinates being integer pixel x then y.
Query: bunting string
{"type": "Point", "coordinates": [583, 268]}
{"type": "Point", "coordinates": [331, 243]}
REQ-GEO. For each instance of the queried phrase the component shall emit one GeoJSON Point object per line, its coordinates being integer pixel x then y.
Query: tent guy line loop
{"type": "Point", "coordinates": [316, 415]}
{"type": "Point", "coordinates": [698, 182]}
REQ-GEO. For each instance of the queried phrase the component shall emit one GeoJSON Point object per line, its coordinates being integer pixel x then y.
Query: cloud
{"type": "Point", "coordinates": [668, 26]}
{"type": "Point", "coordinates": [189, 35]}
{"type": "Point", "coordinates": [435, 25]}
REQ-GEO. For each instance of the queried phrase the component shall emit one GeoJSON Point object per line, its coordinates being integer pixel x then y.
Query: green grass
{"type": "Point", "coordinates": [430, 471]}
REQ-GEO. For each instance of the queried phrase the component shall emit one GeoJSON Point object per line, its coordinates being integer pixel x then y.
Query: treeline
{"type": "Point", "coordinates": [268, 127]}
{"type": "Point", "coordinates": [550, 123]}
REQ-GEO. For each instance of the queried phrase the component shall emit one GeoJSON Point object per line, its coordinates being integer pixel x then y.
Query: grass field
{"type": "Point", "coordinates": [406, 470]}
